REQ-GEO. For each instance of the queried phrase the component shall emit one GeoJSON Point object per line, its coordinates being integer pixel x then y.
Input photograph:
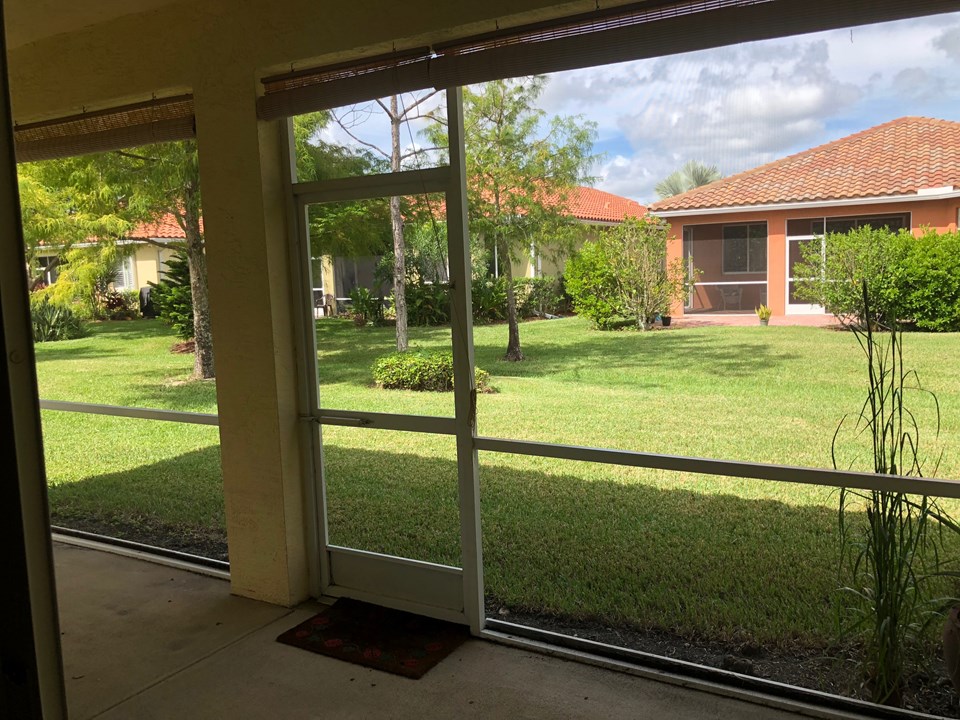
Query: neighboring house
{"type": "Point", "coordinates": [592, 207]}
{"type": "Point", "coordinates": [144, 265]}
{"type": "Point", "coordinates": [338, 276]}
{"type": "Point", "coordinates": [744, 232]}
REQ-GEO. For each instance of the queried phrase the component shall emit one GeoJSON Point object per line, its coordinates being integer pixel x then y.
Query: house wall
{"type": "Point", "coordinates": [939, 215]}
{"type": "Point", "coordinates": [148, 263]}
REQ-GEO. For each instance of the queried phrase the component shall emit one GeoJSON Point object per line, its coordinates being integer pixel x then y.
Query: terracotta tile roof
{"type": "Point", "coordinates": [591, 204]}
{"type": "Point", "coordinates": [165, 227]}
{"type": "Point", "coordinates": [896, 158]}
{"type": "Point", "coordinates": [585, 203]}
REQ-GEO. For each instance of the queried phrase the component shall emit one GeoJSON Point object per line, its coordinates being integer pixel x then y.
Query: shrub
{"type": "Point", "coordinates": [916, 279]}
{"type": "Point", "coordinates": [489, 299]}
{"type": "Point", "coordinates": [172, 299]}
{"type": "Point", "coordinates": [365, 306]}
{"type": "Point", "coordinates": [930, 282]}
{"type": "Point", "coordinates": [52, 322]}
{"type": "Point", "coordinates": [421, 370]}
{"type": "Point", "coordinates": [592, 285]}
{"type": "Point", "coordinates": [427, 303]}
{"type": "Point", "coordinates": [122, 305]}
{"type": "Point", "coordinates": [833, 274]}
{"type": "Point", "coordinates": [537, 296]}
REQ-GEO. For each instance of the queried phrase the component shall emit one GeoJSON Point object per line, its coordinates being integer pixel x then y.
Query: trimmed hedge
{"type": "Point", "coordinates": [420, 370]}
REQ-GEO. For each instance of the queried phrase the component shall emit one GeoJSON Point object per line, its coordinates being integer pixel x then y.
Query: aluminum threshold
{"type": "Point", "coordinates": [140, 551]}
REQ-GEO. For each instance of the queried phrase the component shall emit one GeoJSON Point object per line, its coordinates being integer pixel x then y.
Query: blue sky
{"type": "Point", "coordinates": [741, 106]}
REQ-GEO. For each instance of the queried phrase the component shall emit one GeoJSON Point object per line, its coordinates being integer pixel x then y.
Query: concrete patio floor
{"type": "Point", "coordinates": [142, 640]}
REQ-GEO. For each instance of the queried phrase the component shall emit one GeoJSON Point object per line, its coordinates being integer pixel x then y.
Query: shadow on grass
{"type": "Point", "coordinates": [593, 547]}
{"type": "Point", "coordinates": [176, 503]}
{"type": "Point", "coordinates": [583, 542]}
{"type": "Point", "coordinates": [132, 329]}
{"type": "Point", "coordinates": [347, 353]}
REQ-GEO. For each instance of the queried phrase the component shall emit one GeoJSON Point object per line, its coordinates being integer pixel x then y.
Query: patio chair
{"type": "Point", "coordinates": [732, 296]}
{"type": "Point", "coordinates": [324, 305]}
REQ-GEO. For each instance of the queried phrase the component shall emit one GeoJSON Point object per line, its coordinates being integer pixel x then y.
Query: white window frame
{"type": "Point", "coordinates": [125, 276]}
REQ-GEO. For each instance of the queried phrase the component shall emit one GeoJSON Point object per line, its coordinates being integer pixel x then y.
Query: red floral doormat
{"type": "Point", "coordinates": [390, 640]}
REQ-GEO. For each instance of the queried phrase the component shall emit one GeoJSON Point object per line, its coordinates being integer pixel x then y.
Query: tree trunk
{"type": "Point", "coordinates": [513, 342]}
{"type": "Point", "coordinates": [396, 222]}
{"type": "Point", "coordinates": [197, 263]}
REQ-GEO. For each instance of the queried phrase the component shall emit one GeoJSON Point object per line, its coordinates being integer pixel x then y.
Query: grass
{"type": "Point", "coordinates": [691, 553]}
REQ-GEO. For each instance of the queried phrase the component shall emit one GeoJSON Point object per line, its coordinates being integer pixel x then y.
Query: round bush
{"type": "Point", "coordinates": [420, 370]}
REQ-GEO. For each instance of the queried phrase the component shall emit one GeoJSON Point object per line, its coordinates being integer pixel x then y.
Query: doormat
{"type": "Point", "coordinates": [390, 640]}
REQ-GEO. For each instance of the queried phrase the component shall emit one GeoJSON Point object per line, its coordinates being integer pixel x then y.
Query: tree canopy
{"type": "Point", "coordinates": [521, 169]}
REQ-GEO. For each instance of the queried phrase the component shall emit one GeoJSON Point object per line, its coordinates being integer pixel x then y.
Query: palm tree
{"type": "Point", "coordinates": [690, 176]}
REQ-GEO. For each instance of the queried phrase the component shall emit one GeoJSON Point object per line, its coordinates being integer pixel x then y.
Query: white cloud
{"type": "Point", "coordinates": [948, 42]}
{"type": "Point", "coordinates": [740, 106]}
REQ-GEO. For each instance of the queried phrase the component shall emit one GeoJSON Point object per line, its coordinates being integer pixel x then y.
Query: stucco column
{"type": "Point", "coordinates": [675, 252]}
{"type": "Point", "coordinates": [777, 263]}
{"type": "Point", "coordinates": [251, 309]}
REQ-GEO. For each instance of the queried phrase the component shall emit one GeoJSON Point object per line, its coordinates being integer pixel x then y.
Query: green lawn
{"type": "Point", "coordinates": [696, 554]}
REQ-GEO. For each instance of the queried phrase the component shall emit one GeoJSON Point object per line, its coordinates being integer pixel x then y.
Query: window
{"type": "Point", "coordinates": [47, 265]}
{"type": "Point", "coordinates": [745, 248]}
{"type": "Point", "coordinates": [123, 279]}
{"type": "Point", "coordinates": [809, 227]}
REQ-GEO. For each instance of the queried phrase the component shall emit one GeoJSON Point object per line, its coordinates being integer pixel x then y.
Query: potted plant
{"type": "Point", "coordinates": [764, 313]}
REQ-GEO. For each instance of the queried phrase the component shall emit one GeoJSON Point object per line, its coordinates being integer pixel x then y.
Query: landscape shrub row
{"type": "Point", "coordinates": [911, 280]}
{"type": "Point", "coordinates": [429, 303]}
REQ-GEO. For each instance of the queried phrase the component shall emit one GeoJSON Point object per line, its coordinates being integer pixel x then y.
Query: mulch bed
{"type": "Point", "coordinates": [830, 669]}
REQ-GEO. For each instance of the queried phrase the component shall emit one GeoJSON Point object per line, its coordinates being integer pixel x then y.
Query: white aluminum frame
{"type": "Point", "coordinates": [440, 591]}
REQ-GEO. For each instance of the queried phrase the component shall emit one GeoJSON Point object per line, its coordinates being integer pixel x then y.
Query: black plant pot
{"type": "Point", "coordinates": [665, 320]}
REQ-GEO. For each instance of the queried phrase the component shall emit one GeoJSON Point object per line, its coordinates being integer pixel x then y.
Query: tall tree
{"type": "Point", "coordinates": [521, 169]}
{"type": "Point", "coordinates": [143, 184]}
{"type": "Point", "coordinates": [397, 114]}
{"type": "Point", "coordinates": [51, 220]}
{"type": "Point", "coordinates": [343, 229]}
{"type": "Point", "coordinates": [690, 176]}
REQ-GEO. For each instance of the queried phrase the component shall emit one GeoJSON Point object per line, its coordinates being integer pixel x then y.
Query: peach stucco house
{"type": "Point", "coordinates": [744, 232]}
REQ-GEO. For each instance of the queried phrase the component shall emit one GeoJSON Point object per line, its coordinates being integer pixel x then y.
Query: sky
{"type": "Point", "coordinates": [744, 105]}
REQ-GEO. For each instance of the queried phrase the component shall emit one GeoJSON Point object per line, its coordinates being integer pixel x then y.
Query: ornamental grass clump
{"type": "Point", "coordinates": [890, 558]}
{"type": "Point", "coordinates": [52, 321]}
{"type": "Point", "coordinates": [421, 370]}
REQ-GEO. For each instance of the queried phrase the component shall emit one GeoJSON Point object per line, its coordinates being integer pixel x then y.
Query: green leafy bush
{"type": "Point", "coordinates": [833, 274]}
{"type": "Point", "coordinates": [365, 307]}
{"type": "Point", "coordinates": [930, 282]}
{"type": "Point", "coordinates": [908, 278]}
{"type": "Point", "coordinates": [593, 286]}
{"type": "Point", "coordinates": [172, 299]}
{"type": "Point", "coordinates": [428, 303]}
{"type": "Point", "coordinates": [52, 322]}
{"type": "Point", "coordinates": [536, 296]}
{"type": "Point", "coordinates": [421, 370]}
{"type": "Point", "coordinates": [489, 299]}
